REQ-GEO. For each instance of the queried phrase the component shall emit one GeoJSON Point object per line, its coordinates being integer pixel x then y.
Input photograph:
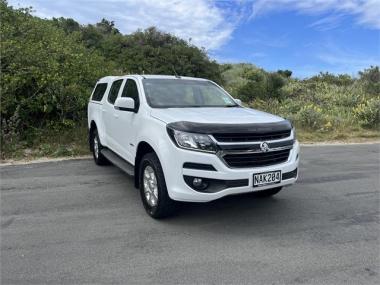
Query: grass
{"type": "Point", "coordinates": [73, 142]}
{"type": "Point", "coordinates": [49, 143]}
{"type": "Point", "coordinates": [347, 136]}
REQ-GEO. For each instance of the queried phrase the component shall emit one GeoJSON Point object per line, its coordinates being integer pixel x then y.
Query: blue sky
{"type": "Point", "coordinates": [305, 36]}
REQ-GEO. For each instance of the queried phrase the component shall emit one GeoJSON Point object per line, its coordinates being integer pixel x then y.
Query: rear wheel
{"type": "Point", "coordinates": [153, 191]}
{"type": "Point", "coordinates": [267, 193]}
{"type": "Point", "coordinates": [96, 147]}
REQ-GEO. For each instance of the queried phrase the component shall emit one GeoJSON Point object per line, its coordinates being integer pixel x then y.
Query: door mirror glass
{"type": "Point", "coordinates": [125, 104]}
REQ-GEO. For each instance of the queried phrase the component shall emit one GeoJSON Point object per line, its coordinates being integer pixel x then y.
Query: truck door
{"type": "Point", "coordinates": [127, 122]}
{"type": "Point", "coordinates": [110, 115]}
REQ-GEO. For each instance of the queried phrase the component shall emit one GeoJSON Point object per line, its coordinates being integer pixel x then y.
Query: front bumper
{"type": "Point", "coordinates": [174, 158]}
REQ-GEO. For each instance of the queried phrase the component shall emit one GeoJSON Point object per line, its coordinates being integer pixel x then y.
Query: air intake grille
{"type": "Point", "coordinates": [250, 137]}
{"type": "Point", "coordinates": [240, 160]}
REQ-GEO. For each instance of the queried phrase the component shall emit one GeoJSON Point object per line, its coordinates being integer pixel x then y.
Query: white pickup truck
{"type": "Point", "coordinates": [187, 139]}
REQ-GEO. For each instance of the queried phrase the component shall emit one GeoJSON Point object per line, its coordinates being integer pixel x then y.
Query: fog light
{"type": "Point", "coordinates": [199, 183]}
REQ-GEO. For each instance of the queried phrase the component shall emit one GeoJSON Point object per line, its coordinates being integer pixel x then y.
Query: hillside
{"type": "Point", "coordinates": [49, 67]}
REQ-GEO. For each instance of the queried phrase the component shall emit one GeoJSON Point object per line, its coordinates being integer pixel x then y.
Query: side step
{"type": "Point", "coordinates": [118, 161]}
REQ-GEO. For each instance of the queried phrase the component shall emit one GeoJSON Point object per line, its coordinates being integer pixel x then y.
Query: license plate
{"type": "Point", "coordinates": [266, 178]}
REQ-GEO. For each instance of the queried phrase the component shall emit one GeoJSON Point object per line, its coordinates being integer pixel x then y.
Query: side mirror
{"type": "Point", "coordinates": [237, 101]}
{"type": "Point", "coordinates": [125, 104]}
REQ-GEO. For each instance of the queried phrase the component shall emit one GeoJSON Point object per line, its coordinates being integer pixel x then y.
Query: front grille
{"type": "Point", "coordinates": [249, 137]}
{"type": "Point", "coordinates": [259, 159]}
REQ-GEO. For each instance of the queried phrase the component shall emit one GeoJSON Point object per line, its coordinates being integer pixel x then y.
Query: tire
{"type": "Point", "coordinates": [96, 147]}
{"type": "Point", "coordinates": [267, 193]}
{"type": "Point", "coordinates": [153, 191]}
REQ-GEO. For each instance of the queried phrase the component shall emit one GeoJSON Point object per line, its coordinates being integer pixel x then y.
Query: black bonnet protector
{"type": "Point", "coordinates": [206, 128]}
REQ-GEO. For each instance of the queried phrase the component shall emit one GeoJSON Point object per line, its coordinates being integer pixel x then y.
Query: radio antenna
{"type": "Point", "coordinates": [175, 73]}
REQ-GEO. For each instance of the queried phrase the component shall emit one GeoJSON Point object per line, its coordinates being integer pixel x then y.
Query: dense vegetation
{"type": "Point", "coordinates": [324, 104]}
{"type": "Point", "coordinates": [48, 68]}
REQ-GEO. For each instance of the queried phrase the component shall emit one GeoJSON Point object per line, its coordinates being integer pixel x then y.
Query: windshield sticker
{"type": "Point", "coordinates": [226, 100]}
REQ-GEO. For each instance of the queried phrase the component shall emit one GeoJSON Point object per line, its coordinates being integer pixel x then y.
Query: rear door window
{"type": "Point", "coordinates": [115, 87]}
{"type": "Point", "coordinates": [98, 94]}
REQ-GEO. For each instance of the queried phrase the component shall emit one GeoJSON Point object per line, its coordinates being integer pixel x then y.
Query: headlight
{"type": "Point", "coordinates": [293, 129]}
{"type": "Point", "coordinates": [192, 141]}
{"type": "Point", "coordinates": [294, 133]}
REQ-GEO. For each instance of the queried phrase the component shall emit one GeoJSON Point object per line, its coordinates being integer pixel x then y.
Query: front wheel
{"type": "Point", "coordinates": [153, 191]}
{"type": "Point", "coordinates": [267, 193]}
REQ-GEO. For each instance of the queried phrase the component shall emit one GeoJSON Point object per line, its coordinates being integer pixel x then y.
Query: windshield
{"type": "Point", "coordinates": [182, 93]}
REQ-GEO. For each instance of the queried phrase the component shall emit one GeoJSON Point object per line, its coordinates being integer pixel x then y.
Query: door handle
{"type": "Point", "coordinates": [116, 116]}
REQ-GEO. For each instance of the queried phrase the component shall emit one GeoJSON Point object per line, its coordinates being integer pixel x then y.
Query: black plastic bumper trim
{"type": "Point", "coordinates": [216, 185]}
{"type": "Point", "coordinates": [198, 166]}
{"type": "Point", "coordinates": [290, 175]}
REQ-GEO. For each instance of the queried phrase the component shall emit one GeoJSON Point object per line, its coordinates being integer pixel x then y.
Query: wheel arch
{"type": "Point", "coordinates": [142, 149]}
{"type": "Point", "coordinates": [90, 132]}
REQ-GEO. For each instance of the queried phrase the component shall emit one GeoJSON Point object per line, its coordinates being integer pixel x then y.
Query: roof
{"type": "Point", "coordinates": [150, 76]}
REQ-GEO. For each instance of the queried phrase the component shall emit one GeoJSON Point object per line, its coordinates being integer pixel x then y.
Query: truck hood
{"type": "Point", "coordinates": [234, 115]}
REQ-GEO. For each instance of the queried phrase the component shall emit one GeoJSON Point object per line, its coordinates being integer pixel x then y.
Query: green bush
{"type": "Point", "coordinates": [326, 77]}
{"type": "Point", "coordinates": [259, 84]}
{"type": "Point", "coordinates": [255, 86]}
{"type": "Point", "coordinates": [324, 106]}
{"type": "Point", "coordinates": [310, 116]}
{"type": "Point", "coordinates": [368, 113]}
{"type": "Point", "coordinates": [371, 80]}
{"type": "Point", "coordinates": [45, 74]}
{"type": "Point", "coordinates": [49, 67]}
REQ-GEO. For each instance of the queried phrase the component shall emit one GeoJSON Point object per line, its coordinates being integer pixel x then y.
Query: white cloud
{"type": "Point", "coordinates": [258, 54]}
{"type": "Point", "coordinates": [199, 20]}
{"type": "Point", "coordinates": [341, 59]}
{"type": "Point", "coordinates": [327, 23]}
{"type": "Point", "coordinates": [370, 13]}
{"type": "Point", "coordinates": [347, 61]}
{"type": "Point", "coordinates": [202, 21]}
{"type": "Point", "coordinates": [367, 12]}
